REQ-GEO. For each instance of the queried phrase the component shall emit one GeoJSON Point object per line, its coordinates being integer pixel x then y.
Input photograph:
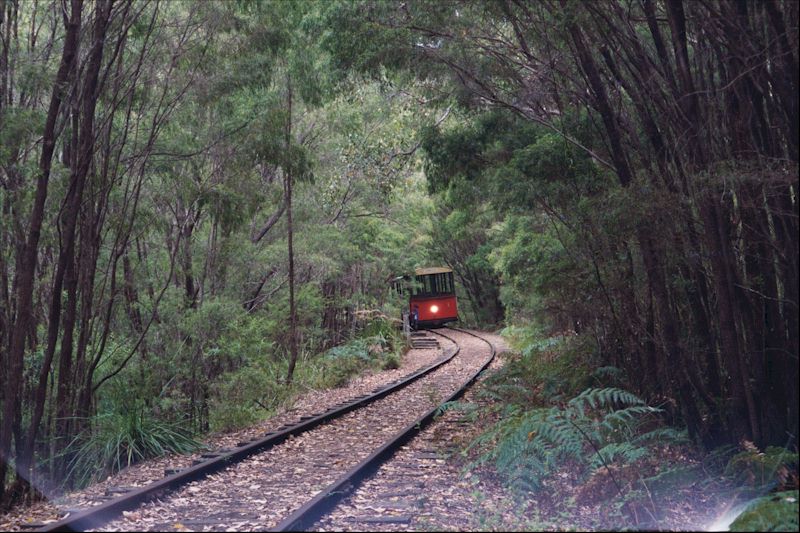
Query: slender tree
{"type": "Point", "coordinates": [26, 266]}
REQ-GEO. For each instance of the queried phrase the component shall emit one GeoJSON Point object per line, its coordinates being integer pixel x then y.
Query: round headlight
{"type": "Point", "coordinates": [434, 309]}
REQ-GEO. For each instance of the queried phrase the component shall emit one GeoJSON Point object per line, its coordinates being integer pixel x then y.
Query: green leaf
{"type": "Point", "coordinates": [775, 512]}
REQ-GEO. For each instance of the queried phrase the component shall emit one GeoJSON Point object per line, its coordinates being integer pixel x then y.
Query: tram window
{"type": "Point", "coordinates": [447, 283]}
{"type": "Point", "coordinates": [423, 285]}
{"type": "Point", "coordinates": [434, 284]}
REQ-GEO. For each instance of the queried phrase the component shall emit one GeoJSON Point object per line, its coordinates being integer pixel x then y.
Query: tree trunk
{"type": "Point", "coordinates": [26, 266]}
{"type": "Point", "coordinates": [290, 236]}
{"type": "Point", "coordinates": [71, 215]}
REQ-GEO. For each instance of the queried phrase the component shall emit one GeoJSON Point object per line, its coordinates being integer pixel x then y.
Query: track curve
{"type": "Point", "coordinates": [258, 488]}
{"type": "Point", "coordinates": [304, 517]}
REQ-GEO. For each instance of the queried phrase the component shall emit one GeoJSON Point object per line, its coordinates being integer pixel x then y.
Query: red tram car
{"type": "Point", "coordinates": [432, 297]}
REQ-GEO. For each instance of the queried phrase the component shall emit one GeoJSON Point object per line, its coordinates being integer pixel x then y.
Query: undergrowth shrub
{"type": "Point", "coordinates": [384, 328]}
{"type": "Point", "coordinates": [391, 362]}
{"type": "Point", "coordinates": [775, 512]}
{"type": "Point", "coordinates": [773, 468]}
{"type": "Point", "coordinates": [254, 392]}
{"type": "Point", "coordinates": [336, 366]}
{"type": "Point", "coordinates": [764, 482]}
{"type": "Point", "coordinates": [247, 395]}
{"type": "Point", "coordinates": [256, 389]}
{"type": "Point", "coordinates": [595, 429]}
{"type": "Point", "coordinates": [116, 440]}
{"type": "Point", "coordinates": [558, 411]}
{"type": "Point", "coordinates": [557, 407]}
{"type": "Point", "coordinates": [543, 370]}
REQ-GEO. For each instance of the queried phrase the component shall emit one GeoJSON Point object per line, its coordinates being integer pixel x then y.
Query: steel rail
{"type": "Point", "coordinates": [98, 515]}
{"type": "Point", "coordinates": [328, 498]}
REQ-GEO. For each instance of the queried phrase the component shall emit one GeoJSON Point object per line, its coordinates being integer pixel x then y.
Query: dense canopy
{"type": "Point", "coordinates": [198, 200]}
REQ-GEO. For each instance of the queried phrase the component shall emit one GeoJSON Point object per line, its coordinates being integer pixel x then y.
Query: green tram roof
{"type": "Point", "coordinates": [432, 270]}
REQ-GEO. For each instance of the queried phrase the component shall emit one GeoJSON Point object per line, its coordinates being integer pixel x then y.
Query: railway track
{"type": "Point", "coordinates": [287, 480]}
{"type": "Point", "coordinates": [424, 487]}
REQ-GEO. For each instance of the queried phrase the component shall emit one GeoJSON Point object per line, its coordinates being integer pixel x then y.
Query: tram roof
{"type": "Point", "coordinates": [432, 270]}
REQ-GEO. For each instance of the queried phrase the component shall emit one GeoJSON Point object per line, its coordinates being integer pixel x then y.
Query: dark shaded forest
{"type": "Point", "coordinates": [201, 199]}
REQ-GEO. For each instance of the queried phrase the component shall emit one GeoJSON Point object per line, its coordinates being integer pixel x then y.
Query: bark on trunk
{"type": "Point", "coordinates": [288, 174]}
{"type": "Point", "coordinates": [26, 266]}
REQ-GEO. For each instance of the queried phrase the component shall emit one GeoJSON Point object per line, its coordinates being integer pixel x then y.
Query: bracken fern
{"type": "Point", "coordinates": [594, 429]}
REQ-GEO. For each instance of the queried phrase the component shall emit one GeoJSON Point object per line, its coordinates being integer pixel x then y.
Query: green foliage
{"type": "Point", "coordinates": [462, 240]}
{"type": "Point", "coordinates": [774, 512]}
{"type": "Point", "coordinates": [255, 390]}
{"type": "Point", "coordinates": [358, 45]}
{"type": "Point", "coordinates": [391, 362]}
{"type": "Point", "coordinates": [336, 366]}
{"type": "Point", "coordinates": [556, 202]}
{"type": "Point", "coordinates": [19, 125]}
{"type": "Point", "coordinates": [608, 374]}
{"type": "Point", "coordinates": [536, 226]}
{"type": "Point", "coordinates": [115, 440]}
{"type": "Point", "coordinates": [672, 478]}
{"type": "Point", "coordinates": [386, 330]}
{"type": "Point", "coordinates": [663, 435]}
{"type": "Point", "coordinates": [463, 407]}
{"type": "Point", "coordinates": [762, 470]}
{"type": "Point", "coordinates": [620, 452]}
{"type": "Point", "coordinates": [544, 370]}
{"type": "Point", "coordinates": [247, 395]}
{"type": "Point", "coordinates": [594, 429]}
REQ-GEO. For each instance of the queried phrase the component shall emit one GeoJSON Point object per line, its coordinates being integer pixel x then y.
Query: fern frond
{"type": "Point", "coordinates": [617, 451]}
{"type": "Point", "coordinates": [611, 372]}
{"type": "Point", "coordinates": [604, 398]}
{"type": "Point", "coordinates": [530, 444]}
{"type": "Point", "coordinates": [625, 418]}
{"type": "Point", "coordinates": [663, 435]}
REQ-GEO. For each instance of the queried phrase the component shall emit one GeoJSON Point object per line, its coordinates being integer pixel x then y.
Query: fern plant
{"type": "Point", "coordinates": [546, 371]}
{"type": "Point", "coordinates": [594, 429]}
{"type": "Point", "coordinates": [763, 470]}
